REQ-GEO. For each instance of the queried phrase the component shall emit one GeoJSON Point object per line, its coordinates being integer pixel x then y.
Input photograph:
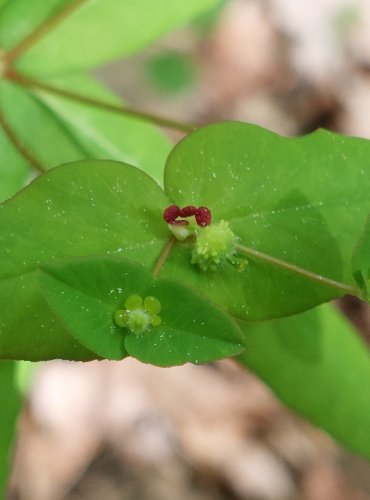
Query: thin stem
{"type": "Point", "coordinates": [42, 30]}
{"type": "Point", "coordinates": [115, 108]}
{"type": "Point", "coordinates": [298, 270]}
{"type": "Point", "coordinates": [163, 257]}
{"type": "Point", "coordinates": [17, 143]}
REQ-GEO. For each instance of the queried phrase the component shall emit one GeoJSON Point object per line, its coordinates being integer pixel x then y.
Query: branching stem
{"type": "Point", "coordinates": [18, 144]}
{"type": "Point", "coordinates": [115, 108]}
{"type": "Point", "coordinates": [42, 30]}
{"type": "Point", "coordinates": [163, 257]}
{"type": "Point", "coordinates": [250, 252]}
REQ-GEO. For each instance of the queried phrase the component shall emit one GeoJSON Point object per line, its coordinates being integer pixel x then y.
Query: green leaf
{"type": "Point", "coordinates": [102, 30]}
{"type": "Point", "coordinates": [2, 3]}
{"type": "Point", "coordinates": [19, 19]}
{"type": "Point", "coordinates": [81, 209]}
{"type": "Point", "coordinates": [317, 365]}
{"type": "Point", "coordinates": [300, 200]}
{"type": "Point", "coordinates": [104, 134]}
{"type": "Point", "coordinates": [85, 294]}
{"type": "Point", "coordinates": [170, 72]}
{"type": "Point", "coordinates": [13, 168]}
{"type": "Point", "coordinates": [44, 135]}
{"type": "Point", "coordinates": [9, 403]}
{"type": "Point", "coordinates": [361, 261]}
{"type": "Point", "coordinates": [28, 329]}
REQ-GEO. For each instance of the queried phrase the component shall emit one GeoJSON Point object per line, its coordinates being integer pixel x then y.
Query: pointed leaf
{"type": "Point", "coordinates": [300, 200]}
{"type": "Point", "coordinates": [44, 135]}
{"type": "Point", "coordinates": [18, 19]}
{"type": "Point", "coordinates": [84, 39]}
{"type": "Point", "coordinates": [104, 134]}
{"type": "Point", "coordinates": [317, 365]}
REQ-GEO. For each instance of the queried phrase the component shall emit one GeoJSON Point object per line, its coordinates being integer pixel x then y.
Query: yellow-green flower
{"type": "Point", "coordinates": [214, 245]}
{"type": "Point", "coordinates": [139, 315]}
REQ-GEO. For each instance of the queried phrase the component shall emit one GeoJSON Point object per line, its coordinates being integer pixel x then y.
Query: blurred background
{"type": "Point", "coordinates": [124, 430]}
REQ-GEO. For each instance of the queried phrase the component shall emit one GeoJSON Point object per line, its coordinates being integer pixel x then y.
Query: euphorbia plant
{"type": "Point", "coordinates": [197, 259]}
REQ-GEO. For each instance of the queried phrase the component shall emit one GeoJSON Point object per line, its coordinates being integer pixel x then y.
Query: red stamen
{"type": "Point", "coordinates": [171, 213]}
{"type": "Point", "coordinates": [188, 211]}
{"type": "Point", "coordinates": [203, 216]}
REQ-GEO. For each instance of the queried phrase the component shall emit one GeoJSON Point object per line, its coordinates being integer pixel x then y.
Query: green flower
{"type": "Point", "coordinates": [139, 315]}
{"type": "Point", "coordinates": [214, 245]}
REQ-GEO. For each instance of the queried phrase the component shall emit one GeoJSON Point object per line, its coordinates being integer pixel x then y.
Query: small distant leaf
{"type": "Point", "coordinates": [317, 365]}
{"type": "Point", "coordinates": [301, 200]}
{"type": "Point", "coordinates": [170, 72]}
{"type": "Point", "coordinates": [9, 404]}
{"type": "Point", "coordinates": [85, 294]}
{"type": "Point", "coordinates": [102, 30]}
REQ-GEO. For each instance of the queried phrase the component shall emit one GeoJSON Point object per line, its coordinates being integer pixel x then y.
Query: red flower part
{"type": "Point", "coordinates": [171, 213]}
{"type": "Point", "coordinates": [203, 216]}
{"type": "Point", "coordinates": [188, 211]}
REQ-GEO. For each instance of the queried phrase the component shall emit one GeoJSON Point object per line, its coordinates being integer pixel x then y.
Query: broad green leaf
{"type": "Point", "coordinates": [104, 134]}
{"type": "Point", "coordinates": [85, 294]}
{"type": "Point", "coordinates": [13, 168]}
{"type": "Point", "coordinates": [80, 209]}
{"type": "Point", "coordinates": [2, 3]}
{"type": "Point", "coordinates": [43, 134]}
{"type": "Point", "coordinates": [28, 329]}
{"type": "Point", "coordinates": [19, 18]}
{"type": "Point", "coordinates": [361, 261]}
{"type": "Point", "coordinates": [317, 365]}
{"type": "Point", "coordinates": [102, 30]}
{"type": "Point", "coordinates": [301, 200]}
{"type": "Point", "coordinates": [9, 404]}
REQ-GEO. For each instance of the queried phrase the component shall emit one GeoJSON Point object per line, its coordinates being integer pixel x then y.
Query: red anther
{"type": "Point", "coordinates": [203, 216]}
{"type": "Point", "coordinates": [171, 213]}
{"type": "Point", "coordinates": [188, 211]}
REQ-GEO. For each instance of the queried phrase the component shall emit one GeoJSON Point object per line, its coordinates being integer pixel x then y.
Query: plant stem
{"type": "Point", "coordinates": [115, 108]}
{"type": "Point", "coordinates": [42, 30]}
{"type": "Point", "coordinates": [163, 257]}
{"type": "Point", "coordinates": [18, 144]}
{"type": "Point", "coordinates": [298, 270]}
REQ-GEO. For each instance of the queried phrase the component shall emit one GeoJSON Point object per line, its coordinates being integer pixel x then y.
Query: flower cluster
{"type": "Point", "coordinates": [139, 315]}
{"type": "Point", "coordinates": [215, 244]}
